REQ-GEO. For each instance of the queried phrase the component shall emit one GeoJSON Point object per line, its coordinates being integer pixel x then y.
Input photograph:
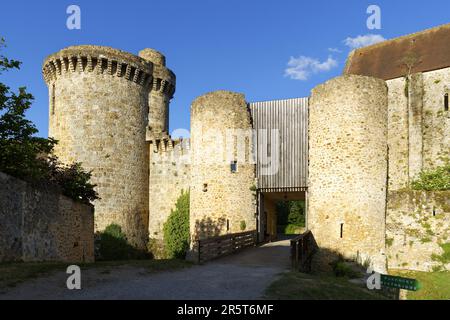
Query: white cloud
{"type": "Point", "coordinates": [335, 50]}
{"type": "Point", "coordinates": [363, 41]}
{"type": "Point", "coordinates": [302, 67]}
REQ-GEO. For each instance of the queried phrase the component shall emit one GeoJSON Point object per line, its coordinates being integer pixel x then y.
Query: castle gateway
{"type": "Point", "coordinates": [351, 150]}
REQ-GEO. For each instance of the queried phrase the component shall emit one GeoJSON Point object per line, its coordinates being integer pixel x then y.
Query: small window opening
{"type": "Point", "coordinates": [53, 99]}
{"type": "Point", "coordinates": [233, 166]}
{"type": "Point", "coordinates": [205, 187]}
{"type": "Point", "coordinates": [446, 102]}
{"type": "Point", "coordinates": [434, 212]}
{"type": "Point", "coordinates": [342, 230]}
{"type": "Point", "coordinates": [228, 225]}
{"type": "Point", "coordinates": [158, 84]}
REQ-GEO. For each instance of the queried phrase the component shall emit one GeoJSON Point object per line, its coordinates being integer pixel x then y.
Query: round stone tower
{"type": "Point", "coordinates": [348, 168]}
{"type": "Point", "coordinates": [222, 167]}
{"type": "Point", "coordinates": [99, 114]}
{"type": "Point", "coordinates": [163, 89]}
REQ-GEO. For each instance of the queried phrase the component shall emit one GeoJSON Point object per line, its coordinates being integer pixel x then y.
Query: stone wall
{"type": "Point", "coordinates": [221, 132]}
{"type": "Point", "coordinates": [348, 167]}
{"type": "Point", "coordinates": [417, 224]}
{"type": "Point", "coordinates": [169, 175]}
{"type": "Point", "coordinates": [99, 114]}
{"type": "Point", "coordinates": [43, 225]}
{"type": "Point", "coordinates": [419, 126]}
{"type": "Point", "coordinates": [163, 89]}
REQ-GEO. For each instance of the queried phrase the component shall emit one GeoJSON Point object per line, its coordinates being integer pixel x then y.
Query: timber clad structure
{"type": "Point", "coordinates": [351, 151]}
{"type": "Point", "coordinates": [281, 129]}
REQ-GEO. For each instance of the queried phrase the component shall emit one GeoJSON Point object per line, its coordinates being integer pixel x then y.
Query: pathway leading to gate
{"type": "Point", "coordinates": [242, 276]}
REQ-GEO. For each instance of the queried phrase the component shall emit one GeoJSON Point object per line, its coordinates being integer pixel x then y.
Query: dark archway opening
{"type": "Point", "coordinates": [281, 214]}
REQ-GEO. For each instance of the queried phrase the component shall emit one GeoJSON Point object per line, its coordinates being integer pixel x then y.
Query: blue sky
{"type": "Point", "coordinates": [238, 45]}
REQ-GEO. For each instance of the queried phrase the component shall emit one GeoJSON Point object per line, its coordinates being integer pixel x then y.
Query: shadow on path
{"type": "Point", "coordinates": [242, 276]}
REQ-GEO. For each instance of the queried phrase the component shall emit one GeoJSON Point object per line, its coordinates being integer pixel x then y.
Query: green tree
{"type": "Point", "coordinates": [291, 213]}
{"type": "Point", "coordinates": [176, 229]}
{"type": "Point", "coordinates": [19, 148]}
{"type": "Point", "coordinates": [296, 213]}
{"type": "Point", "coordinates": [25, 156]}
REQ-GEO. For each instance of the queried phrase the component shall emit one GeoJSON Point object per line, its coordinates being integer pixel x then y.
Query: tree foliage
{"type": "Point", "coordinates": [25, 156]}
{"type": "Point", "coordinates": [291, 213]}
{"type": "Point", "coordinates": [176, 229]}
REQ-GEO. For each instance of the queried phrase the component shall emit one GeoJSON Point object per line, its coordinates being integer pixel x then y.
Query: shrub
{"type": "Point", "coordinates": [176, 229]}
{"type": "Point", "coordinates": [433, 180]}
{"type": "Point", "coordinates": [243, 225]}
{"type": "Point", "coordinates": [113, 245]}
{"type": "Point", "coordinates": [342, 269]}
{"type": "Point", "coordinates": [73, 181]}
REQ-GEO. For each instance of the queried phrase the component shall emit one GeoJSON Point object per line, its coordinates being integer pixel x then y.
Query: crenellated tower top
{"type": "Point", "coordinates": [162, 91]}
{"type": "Point", "coordinates": [102, 60]}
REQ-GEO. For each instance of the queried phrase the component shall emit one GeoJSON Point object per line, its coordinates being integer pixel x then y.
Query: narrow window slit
{"type": "Point", "coordinates": [342, 230]}
{"type": "Point", "coordinates": [233, 166]}
{"type": "Point", "coordinates": [446, 102]}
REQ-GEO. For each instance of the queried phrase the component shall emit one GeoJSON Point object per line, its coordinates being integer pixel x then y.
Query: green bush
{"type": "Point", "coordinates": [176, 229]}
{"type": "Point", "coordinates": [433, 180]}
{"type": "Point", "coordinates": [113, 245]}
{"type": "Point", "coordinates": [342, 269]}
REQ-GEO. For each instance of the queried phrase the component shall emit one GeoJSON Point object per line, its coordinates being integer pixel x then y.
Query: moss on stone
{"type": "Point", "coordinates": [389, 242]}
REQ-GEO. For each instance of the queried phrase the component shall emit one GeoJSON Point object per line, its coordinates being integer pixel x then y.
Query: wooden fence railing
{"type": "Point", "coordinates": [303, 248]}
{"type": "Point", "coordinates": [213, 248]}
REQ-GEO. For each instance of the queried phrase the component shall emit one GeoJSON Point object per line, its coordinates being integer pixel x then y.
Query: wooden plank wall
{"type": "Point", "coordinates": [290, 119]}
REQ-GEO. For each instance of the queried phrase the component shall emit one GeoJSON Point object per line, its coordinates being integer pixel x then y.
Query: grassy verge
{"type": "Point", "coordinates": [300, 286]}
{"type": "Point", "coordinates": [434, 285]}
{"type": "Point", "coordinates": [11, 274]}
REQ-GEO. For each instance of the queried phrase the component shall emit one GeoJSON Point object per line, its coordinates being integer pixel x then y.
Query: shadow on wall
{"type": "Point", "coordinates": [135, 228]}
{"type": "Point", "coordinates": [207, 228]}
{"type": "Point", "coordinates": [326, 262]}
{"type": "Point", "coordinates": [318, 260]}
{"type": "Point", "coordinates": [112, 244]}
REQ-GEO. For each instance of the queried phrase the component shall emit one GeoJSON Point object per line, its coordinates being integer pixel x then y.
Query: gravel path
{"type": "Point", "coordinates": [242, 276]}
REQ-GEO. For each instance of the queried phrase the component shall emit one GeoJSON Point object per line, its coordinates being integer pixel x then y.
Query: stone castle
{"type": "Point", "coordinates": [351, 150]}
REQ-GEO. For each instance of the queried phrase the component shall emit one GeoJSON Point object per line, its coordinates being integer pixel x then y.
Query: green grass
{"type": "Point", "coordinates": [12, 274]}
{"type": "Point", "coordinates": [300, 286]}
{"type": "Point", "coordinates": [292, 229]}
{"type": "Point", "coordinates": [433, 285]}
